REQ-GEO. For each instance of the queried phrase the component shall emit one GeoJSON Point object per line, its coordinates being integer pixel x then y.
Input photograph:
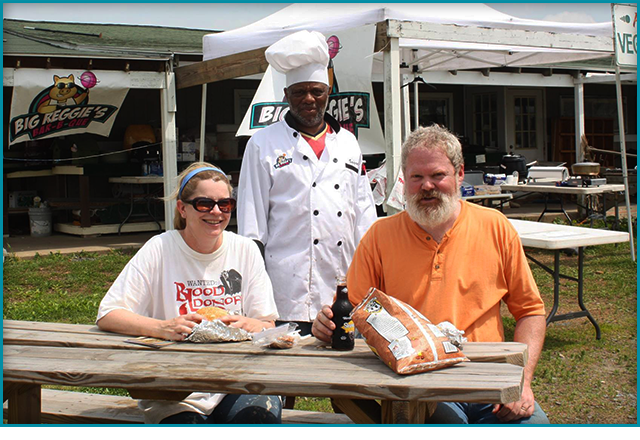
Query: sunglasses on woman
{"type": "Point", "coordinates": [205, 204]}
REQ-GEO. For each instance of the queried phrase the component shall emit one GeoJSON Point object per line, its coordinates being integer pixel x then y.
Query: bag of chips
{"type": "Point", "coordinates": [402, 337]}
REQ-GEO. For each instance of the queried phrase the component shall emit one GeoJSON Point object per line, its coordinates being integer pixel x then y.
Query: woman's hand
{"type": "Point", "coordinates": [178, 328]}
{"type": "Point", "coordinates": [249, 324]}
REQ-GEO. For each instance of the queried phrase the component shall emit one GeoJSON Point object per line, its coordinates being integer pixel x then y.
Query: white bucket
{"type": "Point", "coordinates": [40, 222]}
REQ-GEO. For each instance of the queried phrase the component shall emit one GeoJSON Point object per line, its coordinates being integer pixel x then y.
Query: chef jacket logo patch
{"type": "Point", "coordinates": [282, 161]}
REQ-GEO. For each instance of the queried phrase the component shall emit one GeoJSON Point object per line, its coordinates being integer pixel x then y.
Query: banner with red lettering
{"type": "Point", "coordinates": [351, 101]}
{"type": "Point", "coordinates": [48, 103]}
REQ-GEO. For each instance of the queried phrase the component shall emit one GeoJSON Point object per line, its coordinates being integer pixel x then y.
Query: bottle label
{"type": "Point", "coordinates": [348, 326]}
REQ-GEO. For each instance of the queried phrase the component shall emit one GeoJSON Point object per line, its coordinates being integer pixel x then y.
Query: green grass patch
{"type": "Point", "coordinates": [578, 379]}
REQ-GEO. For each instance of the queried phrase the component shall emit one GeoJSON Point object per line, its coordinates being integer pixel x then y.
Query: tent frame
{"type": "Point", "coordinates": [388, 35]}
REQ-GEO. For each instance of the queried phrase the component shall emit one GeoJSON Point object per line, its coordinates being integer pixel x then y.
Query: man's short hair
{"type": "Point", "coordinates": [430, 138]}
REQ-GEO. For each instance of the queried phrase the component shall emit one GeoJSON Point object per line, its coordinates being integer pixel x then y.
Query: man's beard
{"type": "Point", "coordinates": [430, 216]}
{"type": "Point", "coordinates": [308, 122]}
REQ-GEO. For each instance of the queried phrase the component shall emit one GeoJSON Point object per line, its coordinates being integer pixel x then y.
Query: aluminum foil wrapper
{"type": "Point", "coordinates": [217, 331]}
{"type": "Point", "coordinates": [451, 332]}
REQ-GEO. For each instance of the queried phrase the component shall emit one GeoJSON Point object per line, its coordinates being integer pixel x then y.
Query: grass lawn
{"type": "Point", "coordinates": [578, 380]}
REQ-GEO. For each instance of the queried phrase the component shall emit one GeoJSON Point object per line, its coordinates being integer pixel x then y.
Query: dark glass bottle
{"type": "Point", "coordinates": [343, 335]}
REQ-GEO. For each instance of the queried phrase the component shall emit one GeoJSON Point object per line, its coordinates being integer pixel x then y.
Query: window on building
{"type": "Point", "coordinates": [485, 120]}
{"type": "Point", "coordinates": [525, 121]}
{"type": "Point", "coordinates": [436, 108]}
{"type": "Point", "coordinates": [595, 108]}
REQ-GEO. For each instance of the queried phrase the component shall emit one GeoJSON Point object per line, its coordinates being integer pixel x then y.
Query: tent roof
{"type": "Point", "coordinates": [432, 37]}
{"type": "Point", "coordinates": [332, 17]}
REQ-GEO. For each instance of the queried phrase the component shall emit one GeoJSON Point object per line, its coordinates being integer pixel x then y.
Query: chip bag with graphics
{"type": "Point", "coordinates": [402, 337]}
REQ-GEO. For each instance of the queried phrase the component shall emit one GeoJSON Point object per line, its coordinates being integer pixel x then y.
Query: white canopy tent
{"type": "Point", "coordinates": [419, 37]}
{"type": "Point", "coordinates": [411, 39]}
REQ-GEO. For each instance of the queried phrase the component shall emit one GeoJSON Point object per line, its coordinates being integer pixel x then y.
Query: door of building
{"type": "Point", "coordinates": [525, 124]}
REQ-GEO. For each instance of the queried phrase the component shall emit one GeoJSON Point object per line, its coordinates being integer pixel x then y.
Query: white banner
{"type": "Point", "coordinates": [58, 102]}
{"type": "Point", "coordinates": [351, 101]}
{"type": "Point", "coordinates": [625, 34]}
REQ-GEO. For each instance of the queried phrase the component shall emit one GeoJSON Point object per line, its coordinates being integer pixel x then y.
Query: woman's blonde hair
{"type": "Point", "coordinates": [185, 193]}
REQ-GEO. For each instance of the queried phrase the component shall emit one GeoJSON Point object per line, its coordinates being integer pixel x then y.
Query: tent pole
{"type": "Point", "coordinates": [203, 120]}
{"type": "Point", "coordinates": [623, 150]}
{"type": "Point", "coordinates": [416, 106]}
{"type": "Point", "coordinates": [406, 113]}
{"type": "Point", "coordinates": [392, 120]}
{"type": "Point", "coordinates": [168, 109]}
{"type": "Point", "coordinates": [579, 112]}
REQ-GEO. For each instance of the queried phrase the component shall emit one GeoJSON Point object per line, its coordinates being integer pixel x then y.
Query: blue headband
{"type": "Point", "coordinates": [193, 173]}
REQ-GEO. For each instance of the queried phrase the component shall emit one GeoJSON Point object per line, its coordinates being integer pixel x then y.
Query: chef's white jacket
{"type": "Point", "coordinates": [309, 213]}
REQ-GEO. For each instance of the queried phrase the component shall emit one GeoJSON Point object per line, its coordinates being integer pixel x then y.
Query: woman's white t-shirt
{"type": "Point", "coordinates": [166, 278]}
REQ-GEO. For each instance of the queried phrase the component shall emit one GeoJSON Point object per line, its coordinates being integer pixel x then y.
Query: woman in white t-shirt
{"type": "Point", "coordinates": [176, 273]}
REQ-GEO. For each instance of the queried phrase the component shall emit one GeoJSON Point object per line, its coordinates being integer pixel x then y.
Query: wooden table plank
{"type": "Point", "coordinates": [71, 335]}
{"type": "Point", "coordinates": [239, 374]}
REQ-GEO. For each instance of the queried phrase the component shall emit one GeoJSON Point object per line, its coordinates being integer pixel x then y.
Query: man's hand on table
{"type": "Point", "coordinates": [323, 326]}
{"type": "Point", "coordinates": [516, 410]}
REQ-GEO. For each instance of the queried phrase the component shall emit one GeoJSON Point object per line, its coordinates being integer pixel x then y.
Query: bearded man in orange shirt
{"type": "Point", "coordinates": [453, 261]}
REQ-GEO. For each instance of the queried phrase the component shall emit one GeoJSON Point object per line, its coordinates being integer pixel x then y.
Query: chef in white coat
{"type": "Point", "coordinates": [303, 194]}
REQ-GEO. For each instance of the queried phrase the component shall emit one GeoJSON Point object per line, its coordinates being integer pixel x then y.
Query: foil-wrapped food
{"type": "Point", "coordinates": [455, 336]}
{"type": "Point", "coordinates": [217, 331]}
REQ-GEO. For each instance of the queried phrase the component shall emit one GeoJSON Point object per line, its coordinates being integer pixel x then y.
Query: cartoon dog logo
{"type": "Point", "coordinates": [63, 92]}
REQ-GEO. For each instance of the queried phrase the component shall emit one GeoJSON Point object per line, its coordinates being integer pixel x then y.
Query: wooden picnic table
{"type": "Point", "coordinates": [39, 353]}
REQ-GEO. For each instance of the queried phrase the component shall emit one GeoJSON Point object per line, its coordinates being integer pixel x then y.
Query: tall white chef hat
{"type": "Point", "coordinates": [302, 57]}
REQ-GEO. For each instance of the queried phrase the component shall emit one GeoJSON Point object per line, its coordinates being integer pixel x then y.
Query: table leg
{"type": "Point", "coordinates": [552, 317]}
{"type": "Point", "coordinates": [584, 310]}
{"type": "Point", "coordinates": [24, 403]}
{"type": "Point", "coordinates": [149, 200]}
{"type": "Point", "coordinates": [547, 209]}
{"type": "Point", "coordinates": [360, 411]}
{"type": "Point", "coordinates": [85, 211]}
{"type": "Point", "coordinates": [556, 286]}
{"type": "Point", "coordinates": [130, 210]}
{"type": "Point", "coordinates": [406, 412]}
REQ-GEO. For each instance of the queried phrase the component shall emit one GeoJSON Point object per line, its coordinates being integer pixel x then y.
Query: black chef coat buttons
{"type": "Point", "coordinates": [339, 243]}
{"type": "Point", "coordinates": [339, 213]}
{"type": "Point", "coordinates": [295, 135]}
{"type": "Point", "coordinates": [336, 186]}
{"type": "Point", "coordinates": [305, 157]}
{"type": "Point", "coordinates": [316, 241]}
{"type": "Point", "coordinates": [316, 212]}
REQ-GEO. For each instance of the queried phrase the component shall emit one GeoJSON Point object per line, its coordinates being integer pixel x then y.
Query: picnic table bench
{"type": "Point", "coordinates": [37, 354]}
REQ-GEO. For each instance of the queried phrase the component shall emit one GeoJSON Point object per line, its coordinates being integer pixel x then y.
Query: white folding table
{"type": "Point", "coordinates": [549, 188]}
{"type": "Point", "coordinates": [557, 237]}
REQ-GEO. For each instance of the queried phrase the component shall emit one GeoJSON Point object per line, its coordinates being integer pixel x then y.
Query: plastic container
{"type": "Point", "coordinates": [40, 222]}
